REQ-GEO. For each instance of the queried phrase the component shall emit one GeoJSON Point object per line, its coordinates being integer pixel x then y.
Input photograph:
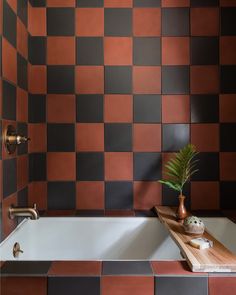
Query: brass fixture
{"type": "Point", "coordinates": [12, 139]}
{"type": "Point", "coordinates": [24, 212]}
{"type": "Point", "coordinates": [16, 250]}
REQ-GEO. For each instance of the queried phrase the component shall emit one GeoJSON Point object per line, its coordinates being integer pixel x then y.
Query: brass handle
{"type": "Point", "coordinates": [21, 139]}
{"type": "Point", "coordinates": [17, 250]}
{"type": "Point", "coordinates": [12, 139]}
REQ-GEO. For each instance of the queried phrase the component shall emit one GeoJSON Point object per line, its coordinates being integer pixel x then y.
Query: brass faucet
{"type": "Point", "coordinates": [24, 212]}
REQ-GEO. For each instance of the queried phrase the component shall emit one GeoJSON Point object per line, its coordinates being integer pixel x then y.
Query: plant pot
{"type": "Point", "coordinates": [181, 212]}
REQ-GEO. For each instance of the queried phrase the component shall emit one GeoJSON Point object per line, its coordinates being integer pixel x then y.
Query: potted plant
{"type": "Point", "coordinates": [179, 170]}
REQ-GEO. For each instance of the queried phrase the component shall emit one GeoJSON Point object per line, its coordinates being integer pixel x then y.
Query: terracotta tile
{"type": "Point", "coordinates": [60, 213]}
{"type": "Point", "coordinates": [126, 285]}
{"type": "Point", "coordinates": [0, 96]}
{"type": "Point", "coordinates": [37, 21]}
{"type": "Point", "coordinates": [37, 79]}
{"type": "Point", "coordinates": [205, 137]}
{"type": "Point", "coordinates": [165, 158]}
{"type": "Point", "coordinates": [1, 187]}
{"type": "Point", "coordinates": [227, 166]}
{"type": "Point", "coordinates": [147, 80]}
{"type": "Point", "coordinates": [147, 22]}
{"type": "Point", "coordinates": [175, 50]}
{"type": "Point", "coordinates": [118, 3]}
{"type": "Point", "coordinates": [1, 263]}
{"type": "Point", "coordinates": [204, 79]}
{"type": "Point", "coordinates": [61, 3]}
{"type": "Point", "coordinates": [118, 51]}
{"type": "Point", "coordinates": [147, 138]}
{"type": "Point", "coordinates": [90, 195]}
{"type": "Point", "coordinates": [13, 4]}
{"type": "Point", "coordinates": [89, 80]}
{"type": "Point", "coordinates": [119, 213]}
{"type": "Point", "coordinates": [228, 3]}
{"type": "Point", "coordinates": [147, 194]}
{"type": "Point", "coordinates": [222, 285]}
{"type": "Point", "coordinates": [38, 194]}
{"type": "Point", "coordinates": [61, 108]}
{"type": "Point", "coordinates": [76, 268]}
{"type": "Point", "coordinates": [9, 61]}
{"type": "Point", "coordinates": [22, 172]}
{"type": "Point", "coordinates": [171, 268]}
{"type": "Point", "coordinates": [60, 50]}
{"type": "Point", "coordinates": [205, 21]}
{"type": "Point", "coordinates": [175, 3]}
{"type": "Point", "coordinates": [5, 154]}
{"type": "Point", "coordinates": [118, 108]}
{"type": "Point", "coordinates": [175, 109]}
{"type": "Point", "coordinates": [1, 23]}
{"type": "Point", "coordinates": [118, 166]}
{"type": "Point", "coordinates": [38, 138]}
{"type": "Point", "coordinates": [8, 225]}
{"type": "Point", "coordinates": [227, 108]}
{"type": "Point", "coordinates": [205, 195]}
{"type": "Point", "coordinates": [90, 22]}
{"type": "Point", "coordinates": [22, 105]}
{"type": "Point", "coordinates": [61, 166]}
{"type": "Point", "coordinates": [22, 39]}
{"type": "Point", "coordinates": [227, 50]}
{"type": "Point", "coordinates": [90, 137]}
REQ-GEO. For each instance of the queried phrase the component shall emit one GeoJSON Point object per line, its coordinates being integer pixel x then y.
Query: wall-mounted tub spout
{"type": "Point", "coordinates": [24, 212]}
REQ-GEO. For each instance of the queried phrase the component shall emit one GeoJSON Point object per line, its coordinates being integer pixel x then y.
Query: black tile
{"type": "Point", "coordinates": [37, 50]}
{"type": "Point", "coordinates": [22, 11]}
{"type": "Point", "coordinates": [118, 22]}
{"type": "Point", "coordinates": [1, 224]}
{"type": "Point", "coordinates": [119, 195]}
{"type": "Point", "coordinates": [208, 167]}
{"type": "Point", "coordinates": [37, 167]}
{"type": "Point", "coordinates": [38, 3]}
{"type": "Point", "coordinates": [61, 137]}
{"type": "Point", "coordinates": [22, 129]}
{"type": "Point", "coordinates": [9, 177]}
{"type": "Point", "coordinates": [126, 268]}
{"type": "Point", "coordinates": [147, 166]}
{"type": "Point", "coordinates": [170, 196]}
{"type": "Point", "coordinates": [61, 195]}
{"type": "Point", "coordinates": [9, 23]}
{"type": "Point", "coordinates": [61, 21]}
{"type": "Point", "coordinates": [145, 213]}
{"type": "Point", "coordinates": [204, 3]}
{"type": "Point", "coordinates": [118, 79]}
{"type": "Point", "coordinates": [60, 79]}
{"type": "Point", "coordinates": [147, 108]}
{"type": "Point", "coordinates": [89, 51]}
{"type": "Point", "coordinates": [89, 108]}
{"type": "Point", "coordinates": [8, 101]}
{"type": "Point", "coordinates": [0, 54]}
{"type": "Point", "coordinates": [25, 268]}
{"type": "Point", "coordinates": [89, 3]}
{"type": "Point", "coordinates": [22, 197]}
{"type": "Point", "coordinates": [204, 50]}
{"type": "Point", "coordinates": [147, 3]}
{"type": "Point", "coordinates": [181, 285]}
{"type": "Point", "coordinates": [227, 137]}
{"type": "Point", "coordinates": [147, 51]}
{"type": "Point", "coordinates": [73, 285]}
{"type": "Point", "coordinates": [1, 140]}
{"type": "Point", "coordinates": [22, 72]}
{"type": "Point", "coordinates": [228, 16]}
{"type": "Point", "coordinates": [175, 21]}
{"type": "Point", "coordinates": [204, 108]}
{"type": "Point", "coordinates": [90, 166]}
{"type": "Point", "coordinates": [175, 80]}
{"type": "Point", "coordinates": [37, 108]}
{"type": "Point", "coordinates": [227, 80]}
{"type": "Point", "coordinates": [175, 137]}
{"type": "Point", "coordinates": [227, 190]}
{"type": "Point", "coordinates": [89, 213]}
{"type": "Point", "coordinates": [118, 137]}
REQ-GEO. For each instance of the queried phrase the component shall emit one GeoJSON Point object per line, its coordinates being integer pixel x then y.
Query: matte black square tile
{"type": "Point", "coordinates": [147, 51]}
{"type": "Point", "coordinates": [37, 167]}
{"type": "Point", "coordinates": [25, 268]}
{"type": "Point", "coordinates": [22, 197]}
{"type": "Point", "coordinates": [204, 108]}
{"type": "Point", "coordinates": [60, 79]}
{"type": "Point", "coordinates": [208, 167]}
{"type": "Point", "coordinates": [73, 285]}
{"type": "Point", "coordinates": [37, 50]}
{"type": "Point", "coordinates": [37, 108]}
{"type": "Point", "coordinates": [170, 197]}
{"type": "Point", "coordinates": [118, 22]}
{"type": "Point", "coordinates": [227, 137]}
{"type": "Point", "coordinates": [227, 190]}
{"type": "Point", "coordinates": [89, 51]}
{"type": "Point", "coordinates": [90, 166]}
{"type": "Point", "coordinates": [22, 129]}
{"type": "Point", "coordinates": [8, 101]}
{"type": "Point", "coordinates": [118, 137]}
{"type": "Point", "coordinates": [228, 74]}
{"type": "Point", "coordinates": [9, 177]}
{"type": "Point", "coordinates": [61, 195]}
{"type": "Point", "coordinates": [61, 21]}
{"type": "Point", "coordinates": [118, 80]}
{"type": "Point", "coordinates": [9, 24]}
{"type": "Point", "coordinates": [22, 72]}
{"type": "Point", "coordinates": [61, 137]}
{"type": "Point", "coordinates": [204, 50]}
{"type": "Point", "coordinates": [147, 108]}
{"type": "Point", "coordinates": [89, 3]}
{"type": "Point", "coordinates": [147, 166]}
{"type": "Point", "coordinates": [145, 213]}
{"type": "Point", "coordinates": [147, 3]}
{"type": "Point", "coordinates": [126, 268]}
{"type": "Point", "coordinates": [181, 285]}
{"type": "Point", "coordinates": [89, 108]}
{"type": "Point", "coordinates": [22, 11]}
{"type": "Point", "coordinates": [175, 80]}
{"type": "Point", "coordinates": [175, 137]}
{"type": "Point", "coordinates": [228, 15]}
{"type": "Point", "coordinates": [38, 3]}
{"type": "Point", "coordinates": [1, 140]}
{"type": "Point", "coordinates": [118, 195]}
{"type": "Point", "coordinates": [204, 3]}
{"type": "Point", "coordinates": [175, 21]}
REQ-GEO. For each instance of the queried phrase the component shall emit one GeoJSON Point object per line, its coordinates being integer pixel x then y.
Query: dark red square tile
{"type": "Point", "coordinates": [37, 79]}
{"type": "Point", "coordinates": [201, 139]}
{"type": "Point", "coordinates": [205, 21]}
{"type": "Point", "coordinates": [38, 138]}
{"type": "Point", "coordinates": [89, 80]}
{"type": "Point", "coordinates": [147, 80]}
{"type": "Point", "coordinates": [222, 285]}
{"type": "Point", "coordinates": [61, 3]}
{"type": "Point", "coordinates": [22, 172]}
{"type": "Point", "coordinates": [90, 137]}
{"type": "Point", "coordinates": [227, 108]}
{"type": "Point", "coordinates": [175, 109]}
{"type": "Point", "coordinates": [21, 105]}
{"type": "Point", "coordinates": [9, 61]}
{"type": "Point", "coordinates": [228, 3]}
{"type": "Point", "coordinates": [175, 3]}
{"type": "Point", "coordinates": [118, 51]}
{"type": "Point", "coordinates": [37, 21]}
{"type": "Point", "coordinates": [60, 50]}
{"type": "Point", "coordinates": [75, 268]}
{"type": "Point", "coordinates": [147, 138]}
{"type": "Point", "coordinates": [227, 50]}
{"type": "Point", "coordinates": [119, 166]}
{"type": "Point", "coordinates": [22, 39]}
{"type": "Point", "coordinates": [175, 51]}
{"type": "Point", "coordinates": [13, 4]}
{"type": "Point", "coordinates": [89, 22]}
{"type": "Point", "coordinates": [118, 3]}
{"type": "Point", "coordinates": [147, 194]}
{"type": "Point", "coordinates": [146, 22]}
{"type": "Point", "coordinates": [8, 225]}
{"type": "Point", "coordinates": [171, 268]}
{"type": "Point", "coordinates": [227, 166]}
{"type": "Point", "coordinates": [90, 195]}
{"type": "Point", "coordinates": [38, 194]}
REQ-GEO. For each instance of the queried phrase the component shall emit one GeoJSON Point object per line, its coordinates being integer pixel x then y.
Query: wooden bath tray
{"type": "Point", "coordinates": [216, 259]}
